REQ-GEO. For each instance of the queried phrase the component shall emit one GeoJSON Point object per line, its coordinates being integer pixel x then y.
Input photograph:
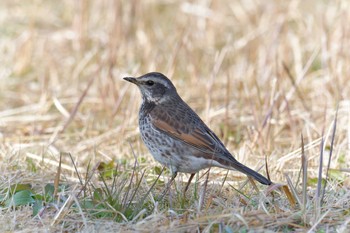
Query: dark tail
{"type": "Point", "coordinates": [249, 172]}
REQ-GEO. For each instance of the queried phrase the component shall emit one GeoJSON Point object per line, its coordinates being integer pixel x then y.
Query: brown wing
{"type": "Point", "coordinates": [196, 135]}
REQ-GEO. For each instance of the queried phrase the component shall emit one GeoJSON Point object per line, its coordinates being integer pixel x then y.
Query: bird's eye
{"type": "Point", "coordinates": [149, 83]}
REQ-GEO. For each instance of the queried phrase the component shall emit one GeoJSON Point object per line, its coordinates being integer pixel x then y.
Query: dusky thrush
{"type": "Point", "coordinates": [176, 136]}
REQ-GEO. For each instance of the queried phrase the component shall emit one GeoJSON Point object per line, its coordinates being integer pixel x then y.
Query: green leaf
{"type": "Point", "coordinates": [336, 175]}
{"type": "Point", "coordinates": [157, 170]}
{"type": "Point", "coordinates": [49, 189]}
{"type": "Point", "coordinates": [313, 181]}
{"type": "Point", "coordinates": [38, 205]}
{"type": "Point", "coordinates": [20, 187]}
{"type": "Point", "coordinates": [23, 197]}
{"type": "Point", "coordinates": [98, 194]}
{"type": "Point", "coordinates": [342, 159]}
{"type": "Point", "coordinates": [88, 204]}
{"type": "Point", "coordinates": [31, 165]}
{"type": "Point", "coordinates": [107, 170]}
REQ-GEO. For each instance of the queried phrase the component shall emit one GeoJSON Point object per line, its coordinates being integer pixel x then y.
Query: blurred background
{"type": "Point", "coordinates": [259, 73]}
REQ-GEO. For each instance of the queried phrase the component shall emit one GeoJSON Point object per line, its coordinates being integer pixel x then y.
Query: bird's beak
{"type": "Point", "coordinates": [131, 79]}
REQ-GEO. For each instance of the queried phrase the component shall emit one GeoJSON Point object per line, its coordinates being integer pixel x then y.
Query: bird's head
{"type": "Point", "coordinates": [155, 87]}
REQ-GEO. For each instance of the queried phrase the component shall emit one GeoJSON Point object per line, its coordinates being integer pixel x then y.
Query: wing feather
{"type": "Point", "coordinates": [199, 137]}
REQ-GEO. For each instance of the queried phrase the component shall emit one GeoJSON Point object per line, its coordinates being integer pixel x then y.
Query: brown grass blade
{"type": "Point", "coordinates": [57, 177]}
{"type": "Point", "coordinates": [203, 193]}
{"type": "Point", "coordinates": [319, 181]}
{"type": "Point", "coordinates": [304, 164]}
{"type": "Point", "coordinates": [330, 154]}
{"type": "Point", "coordinates": [283, 188]}
{"type": "Point", "coordinates": [80, 101]}
{"type": "Point", "coordinates": [295, 85]}
{"type": "Point", "coordinates": [289, 195]}
{"type": "Point", "coordinates": [75, 109]}
{"type": "Point", "coordinates": [294, 191]}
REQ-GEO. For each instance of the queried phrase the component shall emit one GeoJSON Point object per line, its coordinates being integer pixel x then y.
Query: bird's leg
{"type": "Point", "coordinates": [173, 176]}
{"type": "Point", "coordinates": [189, 182]}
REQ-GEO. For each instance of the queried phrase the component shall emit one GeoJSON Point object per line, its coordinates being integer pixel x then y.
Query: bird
{"type": "Point", "coordinates": [176, 136]}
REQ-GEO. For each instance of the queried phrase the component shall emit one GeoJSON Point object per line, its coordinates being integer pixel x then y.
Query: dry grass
{"type": "Point", "coordinates": [260, 73]}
